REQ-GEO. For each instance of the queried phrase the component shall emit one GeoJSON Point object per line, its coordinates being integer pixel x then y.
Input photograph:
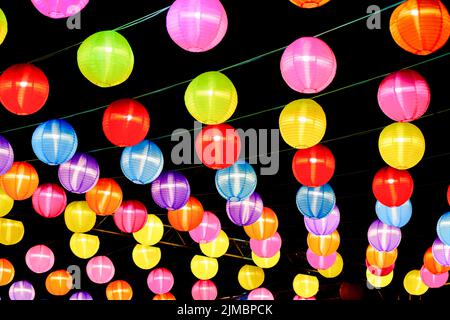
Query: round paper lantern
{"type": "Point", "coordinates": [268, 247]}
{"type": "Point", "coordinates": [377, 281]}
{"type": "Point", "coordinates": [443, 228]}
{"type": "Point", "coordinates": [100, 269]}
{"type": "Point", "coordinates": [236, 183]}
{"type": "Point", "coordinates": [59, 282]}
{"type": "Point", "coordinates": [21, 290]}
{"type": "Point", "coordinates": [160, 281]}
{"type": "Point", "coordinates": [413, 283]}
{"type": "Point", "coordinates": [79, 217]}
{"type": "Point", "coordinates": [151, 233]}
{"type": "Point", "coordinates": [335, 269]}
{"type": "Point", "coordinates": [404, 96]}
{"type": "Point", "coordinates": [401, 145]}
{"type": "Point", "coordinates": [217, 247]}
{"type": "Point", "coordinates": [441, 252]}
{"type": "Point", "coordinates": [204, 268]}
{"type": "Point", "coordinates": [380, 259]}
{"type": "Point", "coordinates": [105, 197]}
{"type": "Point", "coordinates": [245, 212]}
{"type": "Point", "coordinates": [131, 216]}
{"type": "Point", "coordinates": [80, 174]}
{"type": "Point", "coordinates": [394, 216]}
{"type": "Point", "coordinates": [384, 237]}
{"type": "Point", "coordinates": [296, 297]}
{"type": "Point", "coordinates": [316, 202]}
{"type": "Point", "coordinates": [380, 272]}
{"type": "Point", "coordinates": [432, 265]}
{"type": "Point", "coordinates": [448, 195]}
{"type": "Point", "coordinates": [49, 200]}
{"type": "Point", "coordinates": [6, 272]}
{"type": "Point", "coordinates": [308, 65]}
{"type": "Point", "coordinates": [218, 146]}
{"type": "Point", "coordinates": [83, 245]}
{"type": "Point", "coordinates": [204, 290]}
{"type": "Point", "coordinates": [392, 187]}
{"type": "Point", "coordinates": [6, 203]}
{"type": "Point", "coordinates": [57, 9]}
{"type": "Point", "coordinates": [308, 4]}
{"type": "Point", "coordinates": [324, 226]}
{"type": "Point", "coordinates": [324, 245]}
{"type": "Point", "coordinates": [351, 291]}
{"type": "Point", "coordinates": [313, 167]}
{"type": "Point", "coordinates": [266, 263]}
{"type": "Point", "coordinates": [40, 259]}
{"type": "Point", "coordinates": [125, 122]}
{"type": "Point", "coordinates": [146, 257]}
{"type": "Point", "coordinates": [81, 295]}
{"type": "Point", "coordinates": [211, 98]}
{"type": "Point", "coordinates": [320, 262]}
{"type": "Point", "coordinates": [171, 190]}
{"type": "Point", "coordinates": [105, 58]}
{"type": "Point", "coordinates": [142, 163]}
{"type": "Point", "coordinates": [264, 227]}
{"type": "Point", "coordinates": [250, 277]}
{"type": "Point", "coordinates": [119, 290]}
{"type": "Point", "coordinates": [165, 296]}
{"type": "Point", "coordinates": [24, 89]}
{"type": "Point", "coordinates": [20, 181]}
{"type": "Point", "coordinates": [6, 155]}
{"type": "Point", "coordinates": [207, 230]}
{"type": "Point", "coordinates": [197, 26]}
{"type": "Point", "coordinates": [432, 280]}
{"type": "Point", "coordinates": [420, 27]}
{"type": "Point", "coordinates": [302, 123]}
{"type": "Point", "coordinates": [305, 286]}
{"type": "Point", "coordinates": [3, 26]}
{"type": "Point", "coordinates": [260, 294]}
{"type": "Point", "coordinates": [188, 217]}
{"type": "Point", "coordinates": [11, 231]}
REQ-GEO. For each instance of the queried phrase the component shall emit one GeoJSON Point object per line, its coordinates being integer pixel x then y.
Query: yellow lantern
{"type": "Point", "coordinates": [6, 202]}
{"type": "Point", "coordinates": [413, 283]}
{"type": "Point", "coordinates": [146, 257]}
{"type": "Point", "coordinates": [250, 277]}
{"type": "Point", "coordinates": [302, 123]}
{"type": "Point", "coordinates": [306, 286]}
{"type": "Point", "coordinates": [11, 231]}
{"type": "Point", "coordinates": [401, 145]}
{"type": "Point", "coordinates": [3, 26]}
{"type": "Point", "coordinates": [84, 245]}
{"type": "Point", "coordinates": [204, 268]}
{"type": "Point", "coordinates": [377, 281]}
{"type": "Point", "coordinates": [216, 248]}
{"type": "Point", "coordinates": [79, 217]}
{"type": "Point", "coordinates": [151, 233]}
{"type": "Point", "coordinates": [266, 263]}
{"type": "Point", "coordinates": [335, 269]}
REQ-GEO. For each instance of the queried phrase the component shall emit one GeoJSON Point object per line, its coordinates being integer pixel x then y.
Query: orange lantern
{"type": "Point", "coordinates": [308, 4]}
{"type": "Point", "coordinates": [432, 265]}
{"type": "Point", "coordinates": [264, 227]}
{"type": "Point", "coordinates": [188, 217]}
{"type": "Point", "coordinates": [420, 26]}
{"type": "Point", "coordinates": [59, 283]}
{"type": "Point", "coordinates": [105, 198]}
{"type": "Point", "coordinates": [324, 245]}
{"type": "Point", "coordinates": [6, 272]}
{"type": "Point", "coordinates": [20, 181]}
{"type": "Point", "coordinates": [119, 290]}
{"type": "Point", "coordinates": [164, 296]}
{"type": "Point", "coordinates": [381, 259]}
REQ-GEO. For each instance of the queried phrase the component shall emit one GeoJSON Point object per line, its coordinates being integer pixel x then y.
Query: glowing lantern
{"type": "Point", "coordinates": [264, 227]}
{"type": "Point", "coordinates": [377, 281]}
{"type": "Point", "coordinates": [20, 181]}
{"type": "Point", "coordinates": [324, 245]}
{"type": "Point", "coordinates": [313, 167]}
{"type": "Point", "coordinates": [57, 9]}
{"type": "Point", "coordinates": [11, 231]}
{"type": "Point", "coordinates": [119, 290]}
{"type": "Point", "coordinates": [448, 195]}
{"type": "Point", "coordinates": [384, 237]}
{"type": "Point", "coordinates": [79, 217]}
{"type": "Point", "coordinates": [3, 26]}
{"type": "Point", "coordinates": [250, 277]}
{"type": "Point", "coordinates": [21, 290]}
{"type": "Point", "coordinates": [80, 174]}
{"type": "Point", "coordinates": [351, 291]}
{"type": "Point", "coordinates": [83, 245]}
{"type": "Point", "coordinates": [81, 295]}
{"type": "Point", "coordinates": [266, 263]}
{"type": "Point", "coordinates": [308, 4]}
{"type": "Point", "coordinates": [335, 269]}
{"type": "Point", "coordinates": [171, 190]}
{"type": "Point", "coordinates": [106, 59]}
{"type": "Point", "coordinates": [296, 297]}
{"type": "Point", "coordinates": [59, 282]}
{"type": "Point", "coordinates": [260, 294]}
{"type": "Point", "coordinates": [204, 290]}
{"type": "Point", "coordinates": [392, 187]}
{"type": "Point", "coordinates": [24, 89]}
{"type": "Point", "coordinates": [320, 262]}
{"type": "Point", "coordinates": [6, 203]}
{"type": "Point", "coordinates": [151, 233]}
{"type": "Point", "coordinates": [380, 272]}
{"type": "Point", "coordinates": [380, 259]}
{"type": "Point", "coordinates": [6, 272]}
{"type": "Point", "coordinates": [245, 212]}
{"type": "Point", "coordinates": [443, 228]}
{"type": "Point", "coordinates": [268, 247]}
{"type": "Point", "coordinates": [100, 269]}
{"type": "Point", "coordinates": [6, 155]}
{"type": "Point", "coordinates": [441, 252]}
{"type": "Point", "coordinates": [197, 26]}
{"type": "Point", "coordinates": [324, 226]}
{"type": "Point", "coordinates": [105, 198]}
{"type": "Point", "coordinates": [49, 200]}
{"type": "Point", "coordinates": [40, 259]}
{"type": "Point", "coordinates": [217, 247]}
{"type": "Point", "coordinates": [131, 216]}
{"type": "Point", "coordinates": [316, 202]}
{"type": "Point", "coordinates": [146, 257]}
{"type": "Point", "coordinates": [237, 182]}
{"type": "Point", "coordinates": [432, 265]}
{"type": "Point", "coordinates": [305, 286]}
{"type": "Point", "coordinates": [204, 268]}
{"type": "Point", "coordinates": [207, 230]}
{"type": "Point", "coordinates": [432, 280]}
{"type": "Point", "coordinates": [394, 216]}
{"type": "Point", "coordinates": [413, 283]}
{"type": "Point", "coordinates": [160, 281]}
{"type": "Point", "coordinates": [165, 296]}
{"type": "Point", "coordinates": [188, 217]}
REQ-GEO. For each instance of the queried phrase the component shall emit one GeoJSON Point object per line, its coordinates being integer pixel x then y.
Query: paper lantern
{"type": "Point", "coordinates": [57, 9]}
{"type": "Point", "coordinates": [21, 290]}
{"type": "Point", "coordinates": [80, 174]}
{"type": "Point", "coordinates": [204, 290]}
{"type": "Point", "coordinates": [217, 247]}
{"type": "Point", "coordinates": [384, 237]}
{"type": "Point", "coordinates": [413, 283]}
{"type": "Point", "coordinates": [100, 269]}
{"type": "Point", "coordinates": [313, 167]}
{"type": "Point", "coordinates": [266, 263]}
{"type": "Point", "coordinates": [432, 265]}
{"type": "Point", "coordinates": [6, 155]}
{"type": "Point", "coordinates": [40, 259]}
{"type": "Point", "coordinates": [119, 290]}
{"type": "Point", "coordinates": [146, 257]}
{"type": "Point", "coordinates": [392, 187]}
{"type": "Point", "coordinates": [351, 291]}
{"type": "Point", "coordinates": [381, 259]}
{"type": "Point", "coordinates": [165, 296]}
{"type": "Point", "coordinates": [105, 197]}
{"type": "Point", "coordinates": [236, 183]}
{"type": "Point", "coordinates": [264, 227]}
{"type": "Point", "coordinates": [211, 98]}
{"type": "Point", "coordinates": [394, 216]}
{"type": "Point", "coordinates": [204, 268]}
{"type": "Point", "coordinates": [151, 233]}
{"type": "Point", "coordinates": [171, 190]}
{"type": "Point", "coordinates": [197, 25]}
{"type": "Point", "coordinates": [20, 181]}
{"type": "Point", "coordinates": [81, 295]}
{"type": "Point", "coordinates": [324, 245]}
{"type": "Point", "coordinates": [188, 217]}
{"type": "Point", "coordinates": [245, 212]}
{"type": "Point", "coordinates": [401, 145]}
{"type": "Point", "coordinates": [59, 282]}
{"type": "Point", "coordinates": [420, 26]}
{"type": "Point", "coordinates": [3, 26]}
{"type": "Point", "coordinates": [79, 217]}
{"type": "Point", "coordinates": [83, 245]}
{"type": "Point", "coordinates": [142, 163]}
{"type": "Point", "coordinates": [305, 286]}
{"type": "Point", "coordinates": [6, 203]}
{"type": "Point", "coordinates": [443, 228]}
{"type": "Point", "coordinates": [380, 272]}
{"type": "Point", "coordinates": [316, 202]}
{"type": "Point", "coordinates": [207, 230]}
{"type": "Point", "coordinates": [377, 281]}
{"type": "Point", "coordinates": [441, 252]}
{"type": "Point", "coordinates": [160, 281]}
{"type": "Point", "coordinates": [308, 4]}
{"type": "Point", "coordinates": [218, 146]}
{"type": "Point", "coordinates": [125, 122]}
{"type": "Point", "coordinates": [404, 96]}
{"type": "Point", "coordinates": [448, 195]}
{"type": "Point", "coordinates": [49, 200]}
{"type": "Point", "coordinates": [335, 269]}
{"type": "Point", "coordinates": [432, 280]}
{"type": "Point", "coordinates": [105, 59]}
{"type": "Point", "coordinates": [296, 297]}
{"type": "Point", "coordinates": [260, 294]}
{"type": "Point", "coordinates": [24, 89]}
{"type": "Point", "coordinates": [250, 277]}
{"type": "Point", "coordinates": [320, 262]}
{"type": "Point", "coordinates": [11, 231]}
{"type": "Point", "coordinates": [268, 247]}
{"type": "Point", "coordinates": [323, 226]}
{"type": "Point", "coordinates": [131, 216]}
{"type": "Point", "coordinates": [6, 272]}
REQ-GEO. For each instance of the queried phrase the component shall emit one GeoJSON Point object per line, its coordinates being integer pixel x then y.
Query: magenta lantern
{"type": "Point", "coordinates": [131, 216]}
{"type": "Point", "coordinates": [49, 200]}
{"type": "Point", "coordinates": [441, 252]}
{"type": "Point", "coordinates": [384, 237]}
{"type": "Point", "coordinates": [40, 259]}
{"type": "Point", "coordinates": [207, 230]}
{"type": "Point", "coordinates": [266, 248]}
{"type": "Point", "coordinates": [320, 262]}
{"type": "Point", "coordinates": [204, 290]}
{"type": "Point", "coordinates": [324, 226]}
{"type": "Point", "coordinates": [260, 294]}
{"type": "Point", "coordinates": [433, 280]}
{"type": "Point", "coordinates": [100, 269]}
{"type": "Point", "coordinates": [301, 298]}
{"type": "Point", "coordinates": [160, 281]}
{"type": "Point", "coordinates": [57, 9]}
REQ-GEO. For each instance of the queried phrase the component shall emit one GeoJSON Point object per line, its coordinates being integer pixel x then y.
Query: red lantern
{"type": "Point", "coordinates": [448, 195]}
{"type": "Point", "coordinates": [392, 187]}
{"type": "Point", "coordinates": [314, 166]}
{"type": "Point", "coordinates": [432, 265]}
{"type": "Point", "coordinates": [24, 89]}
{"type": "Point", "coordinates": [125, 122]}
{"type": "Point", "coordinates": [351, 291]}
{"type": "Point", "coordinates": [380, 272]}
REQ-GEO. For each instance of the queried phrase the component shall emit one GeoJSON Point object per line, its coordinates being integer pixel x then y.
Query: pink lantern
{"type": "Point", "coordinates": [197, 25]}
{"type": "Point", "coordinates": [49, 200]}
{"type": "Point", "coordinates": [207, 230]}
{"type": "Point", "coordinates": [266, 248]}
{"type": "Point", "coordinates": [404, 96]}
{"type": "Point", "coordinates": [260, 294]}
{"type": "Point", "coordinates": [100, 269]}
{"type": "Point", "coordinates": [433, 280]}
{"type": "Point", "coordinates": [40, 259]}
{"type": "Point", "coordinates": [57, 9]}
{"type": "Point", "coordinates": [204, 290]}
{"type": "Point", "coordinates": [301, 298]}
{"type": "Point", "coordinates": [160, 281]}
{"type": "Point", "coordinates": [308, 65]}
{"type": "Point", "coordinates": [320, 262]}
{"type": "Point", "coordinates": [131, 216]}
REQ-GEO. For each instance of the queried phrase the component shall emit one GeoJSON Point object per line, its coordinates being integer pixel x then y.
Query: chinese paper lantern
{"type": "Point", "coordinates": [313, 167]}
{"type": "Point", "coordinates": [296, 297]}
{"type": "Point", "coordinates": [218, 146]}
{"type": "Point", "coordinates": [377, 281]}
{"type": "Point", "coordinates": [351, 291]}
{"type": "Point", "coordinates": [207, 230]}
{"type": "Point", "coordinates": [260, 294]}
{"type": "Point", "coordinates": [443, 228]}
{"type": "Point", "coordinates": [320, 262]}
{"type": "Point", "coordinates": [392, 187]}
{"type": "Point", "coordinates": [264, 227]}
{"type": "Point", "coordinates": [305, 286]}
{"type": "Point", "coordinates": [307, 4]}
{"type": "Point", "coordinates": [105, 197]}
{"type": "Point", "coordinates": [323, 226]}
{"type": "Point", "coordinates": [171, 190]}
{"type": "Point", "coordinates": [21, 290]}
{"type": "Point", "coordinates": [24, 89]}
{"type": "Point", "coordinates": [6, 272]}
{"type": "Point", "coordinates": [245, 212]}
{"type": "Point", "coordinates": [441, 252]}
{"type": "Point", "coordinates": [3, 26]}
{"type": "Point", "coordinates": [151, 233]}
{"type": "Point", "coordinates": [49, 200]}
{"type": "Point", "coordinates": [146, 257]}
{"type": "Point", "coordinates": [11, 231]}
{"type": "Point", "coordinates": [57, 9]}
{"type": "Point", "coordinates": [165, 296]}
{"type": "Point", "coordinates": [316, 202]}
{"type": "Point", "coordinates": [131, 216]}
{"type": "Point", "coordinates": [59, 282]}
{"type": "Point", "coordinates": [105, 58]}
{"type": "Point", "coordinates": [40, 259]}
{"type": "Point", "coordinates": [237, 182]}
{"type": "Point", "coordinates": [6, 155]}
{"type": "Point", "coordinates": [80, 174]}
{"type": "Point", "coordinates": [266, 263]}
{"type": "Point", "coordinates": [448, 195]}
{"type": "Point", "coordinates": [119, 290]}
{"type": "Point", "coordinates": [81, 295]}
{"type": "Point", "coordinates": [204, 268]}
{"type": "Point", "coordinates": [125, 122]}
{"type": "Point", "coordinates": [268, 247]}
{"type": "Point", "coordinates": [380, 272]}
{"type": "Point", "coordinates": [413, 283]}
{"type": "Point", "coordinates": [211, 98]}
{"type": "Point", "coordinates": [384, 237]}
{"type": "Point", "coordinates": [197, 25]}
{"type": "Point", "coordinates": [100, 269]}
{"type": "Point", "coordinates": [324, 245]}
{"type": "Point", "coordinates": [250, 277]}
{"type": "Point", "coordinates": [6, 203]}
{"type": "Point", "coordinates": [404, 96]}
{"type": "Point", "coordinates": [335, 269]}
{"type": "Point", "coordinates": [79, 217]}
{"type": "Point", "coordinates": [432, 280]}
{"type": "Point", "coordinates": [431, 264]}
{"type": "Point", "coordinates": [394, 216]}
{"type": "Point", "coordinates": [401, 145]}
{"type": "Point", "coordinates": [204, 290]}
{"type": "Point", "coordinates": [160, 281]}
{"type": "Point", "coordinates": [217, 247]}
{"type": "Point", "coordinates": [420, 27]}
{"type": "Point", "coordinates": [380, 259]}
{"type": "Point", "coordinates": [83, 245]}
{"type": "Point", "coordinates": [188, 217]}
{"type": "Point", "coordinates": [20, 181]}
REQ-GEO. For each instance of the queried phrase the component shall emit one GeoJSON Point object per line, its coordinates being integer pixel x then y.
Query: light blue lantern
{"type": "Point", "coordinates": [236, 183]}
{"type": "Point", "coordinates": [316, 203]}
{"type": "Point", "coordinates": [54, 142]}
{"type": "Point", "coordinates": [394, 216]}
{"type": "Point", "coordinates": [142, 163]}
{"type": "Point", "coordinates": [443, 228]}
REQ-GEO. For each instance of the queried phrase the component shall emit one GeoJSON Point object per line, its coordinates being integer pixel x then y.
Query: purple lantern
{"type": "Point", "coordinates": [324, 226]}
{"type": "Point", "coordinates": [171, 190]}
{"type": "Point", "coordinates": [441, 252]}
{"type": "Point", "coordinates": [21, 290]}
{"type": "Point", "coordinates": [384, 237]}
{"type": "Point", "coordinates": [208, 230]}
{"type": "Point", "coordinates": [266, 248]}
{"type": "Point", "coordinates": [320, 262]}
{"type": "Point", "coordinates": [433, 280]}
{"type": "Point", "coordinates": [80, 174]}
{"type": "Point", "coordinates": [6, 155]}
{"type": "Point", "coordinates": [245, 212]}
{"type": "Point", "coordinates": [82, 295]}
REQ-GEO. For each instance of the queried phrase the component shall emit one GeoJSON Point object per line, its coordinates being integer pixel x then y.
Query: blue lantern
{"type": "Point", "coordinates": [54, 142]}
{"type": "Point", "coordinates": [394, 216]}
{"type": "Point", "coordinates": [142, 163]}
{"type": "Point", "coordinates": [443, 228]}
{"type": "Point", "coordinates": [236, 183]}
{"type": "Point", "coordinates": [316, 202]}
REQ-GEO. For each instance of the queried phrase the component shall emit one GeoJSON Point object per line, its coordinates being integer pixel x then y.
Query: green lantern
{"type": "Point", "coordinates": [106, 59]}
{"type": "Point", "coordinates": [3, 26]}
